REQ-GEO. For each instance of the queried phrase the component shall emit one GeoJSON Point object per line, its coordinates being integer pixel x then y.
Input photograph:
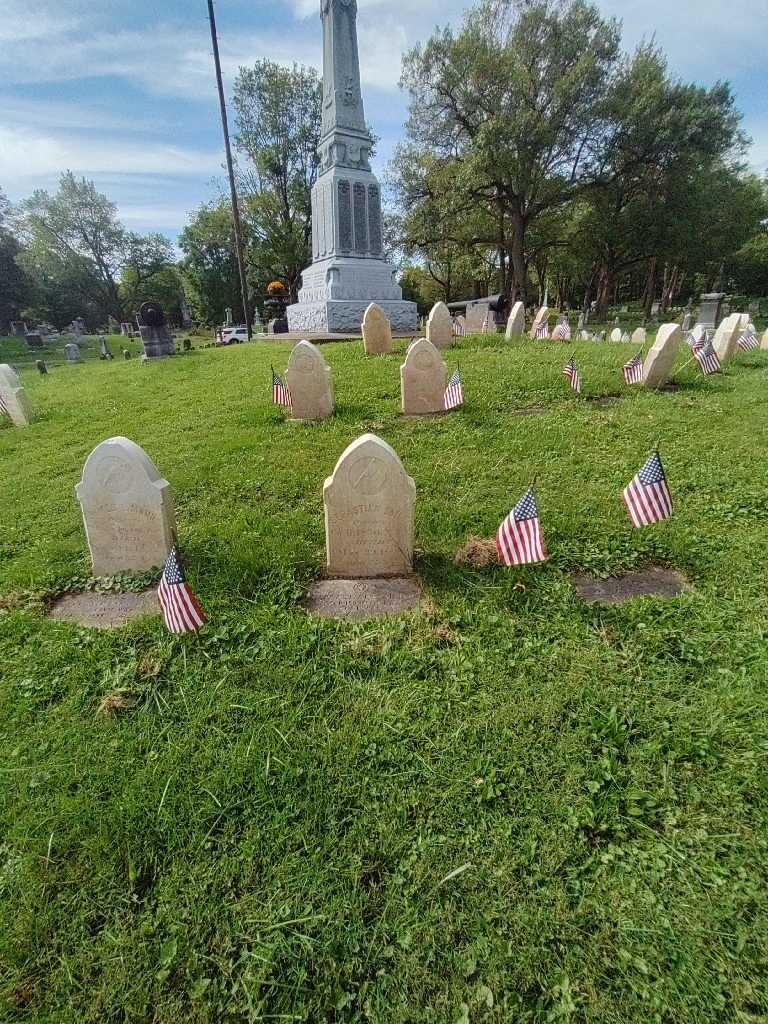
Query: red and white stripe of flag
{"type": "Point", "coordinates": [519, 540]}
{"type": "Point", "coordinates": [182, 611]}
{"type": "Point", "coordinates": [647, 497]}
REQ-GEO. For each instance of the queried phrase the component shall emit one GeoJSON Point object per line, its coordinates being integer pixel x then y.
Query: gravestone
{"type": "Point", "coordinates": [661, 357]}
{"type": "Point", "coordinates": [516, 322]}
{"type": "Point", "coordinates": [725, 341]}
{"type": "Point", "coordinates": [710, 310]}
{"type": "Point", "coordinates": [228, 316]}
{"type": "Point", "coordinates": [422, 380]}
{"type": "Point", "coordinates": [616, 334]}
{"type": "Point", "coordinates": [585, 336]}
{"type": "Point", "coordinates": [687, 319]}
{"type": "Point", "coordinates": [42, 369]}
{"type": "Point", "coordinates": [310, 383]}
{"type": "Point", "coordinates": [626, 337]}
{"type": "Point", "coordinates": [72, 352]}
{"type": "Point", "coordinates": [127, 509]}
{"type": "Point", "coordinates": [18, 329]}
{"type": "Point", "coordinates": [541, 317]}
{"type": "Point", "coordinates": [377, 331]}
{"type": "Point", "coordinates": [764, 342]}
{"type": "Point", "coordinates": [475, 317]}
{"type": "Point", "coordinates": [156, 336]}
{"type": "Point", "coordinates": [369, 502]}
{"type": "Point", "coordinates": [440, 326]}
{"type": "Point", "coordinates": [639, 336]}
{"type": "Point", "coordinates": [126, 354]}
{"type": "Point", "coordinates": [34, 341]}
{"type": "Point", "coordinates": [14, 397]}
{"type": "Point", "coordinates": [125, 330]}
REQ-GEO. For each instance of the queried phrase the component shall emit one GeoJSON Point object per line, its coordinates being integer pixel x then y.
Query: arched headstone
{"type": "Point", "coordinates": [127, 509]}
{"type": "Point", "coordinates": [541, 317]}
{"type": "Point", "coordinates": [369, 503]}
{"type": "Point", "coordinates": [422, 380]}
{"type": "Point", "coordinates": [725, 341]}
{"type": "Point", "coordinates": [639, 336]}
{"type": "Point", "coordinates": [377, 331]}
{"type": "Point", "coordinates": [516, 321]}
{"type": "Point", "coordinates": [13, 397]}
{"type": "Point", "coordinates": [661, 357]}
{"type": "Point", "coordinates": [440, 326]}
{"type": "Point", "coordinates": [615, 334]}
{"type": "Point", "coordinates": [764, 342]}
{"type": "Point", "coordinates": [72, 352]}
{"type": "Point", "coordinates": [310, 383]}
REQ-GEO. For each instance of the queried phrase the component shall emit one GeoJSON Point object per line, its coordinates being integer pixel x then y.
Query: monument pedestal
{"type": "Point", "coordinates": [157, 342]}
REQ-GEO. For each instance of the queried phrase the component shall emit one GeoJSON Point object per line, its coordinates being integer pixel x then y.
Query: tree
{"type": "Point", "coordinates": [209, 267]}
{"type": "Point", "coordinates": [76, 233]}
{"type": "Point", "coordinates": [277, 117]}
{"type": "Point", "coordinates": [14, 283]}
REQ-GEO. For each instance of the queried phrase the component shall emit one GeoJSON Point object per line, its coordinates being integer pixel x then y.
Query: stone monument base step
{"type": "Point", "coordinates": [362, 598]}
{"type": "Point", "coordinates": [341, 315]}
{"type": "Point", "coordinates": [320, 337]}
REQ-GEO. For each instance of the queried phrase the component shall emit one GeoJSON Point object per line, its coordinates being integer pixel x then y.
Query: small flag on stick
{"type": "Point", "coordinates": [563, 330]}
{"type": "Point", "coordinates": [3, 407]}
{"type": "Point", "coordinates": [519, 540]}
{"type": "Point", "coordinates": [748, 341]}
{"type": "Point", "coordinates": [542, 331]}
{"type": "Point", "coordinates": [634, 370]}
{"type": "Point", "coordinates": [459, 330]}
{"type": "Point", "coordinates": [647, 497]}
{"type": "Point", "coordinates": [454, 393]}
{"type": "Point", "coordinates": [706, 357]}
{"type": "Point", "coordinates": [181, 609]}
{"type": "Point", "coordinates": [573, 375]}
{"type": "Point", "coordinates": [487, 323]}
{"type": "Point", "coordinates": [280, 393]}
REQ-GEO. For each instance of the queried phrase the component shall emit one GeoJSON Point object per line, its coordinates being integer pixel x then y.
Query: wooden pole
{"type": "Point", "coordinates": [230, 171]}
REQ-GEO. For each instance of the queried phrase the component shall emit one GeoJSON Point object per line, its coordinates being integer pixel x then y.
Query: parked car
{"type": "Point", "coordinates": [233, 335]}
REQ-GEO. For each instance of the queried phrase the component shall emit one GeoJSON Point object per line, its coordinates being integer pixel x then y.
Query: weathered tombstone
{"type": "Point", "coordinates": [440, 326]}
{"type": "Point", "coordinates": [310, 383]}
{"type": "Point", "coordinates": [187, 344]}
{"type": "Point", "coordinates": [616, 334]}
{"type": "Point", "coordinates": [585, 336]}
{"type": "Point", "coordinates": [475, 316]}
{"type": "Point", "coordinates": [369, 502]}
{"type": "Point", "coordinates": [655, 310]}
{"type": "Point", "coordinates": [541, 317]}
{"type": "Point", "coordinates": [126, 354]}
{"type": "Point", "coordinates": [662, 355]}
{"type": "Point", "coordinates": [516, 322]}
{"type": "Point", "coordinates": [155, 333]}
{"type": "Point", "coordinates": [13, 397]}
{"type": "Point", "coordinates": [127, 509]}
{"type": "Point", "coordinates": [725, 341]}
{"type": "Point", "coordinates": [582, 321]}
{"type": "Point", "coordinates": [422, 380]}
{"type": "Point", "coordinates": [42, 369]}
{"type": "Point", "coordinates": [639, 336]}
{"type": "Point", "coordinates": [72, 352]}
{"type": "Point", "coordinates": [377, 331]}
{"type": "Point", "coordinates": [710, 310]}
{"type": "Point", "coordinates": [764, 342]}
{"type": "Point", "coordinates": [626, 337]}
{"type": "Point", "coordinates": [18, 328]}
{"type": "Point", "coordinates": [125, 330]}
{"type": "Point", "coordinates": [687, 320]}
{"type": "Point", "coordinates": [34, 341]}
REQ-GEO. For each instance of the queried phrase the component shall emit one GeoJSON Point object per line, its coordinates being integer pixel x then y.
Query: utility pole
{"type": "Point", "coordinates": [233, 189]}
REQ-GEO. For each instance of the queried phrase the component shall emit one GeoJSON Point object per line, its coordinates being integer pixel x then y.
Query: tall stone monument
{"type": "Point", "coordinates": [348, 269]}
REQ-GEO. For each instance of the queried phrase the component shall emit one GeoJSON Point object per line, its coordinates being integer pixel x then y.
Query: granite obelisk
{"type": "Point", "coordinates": [348, 269]}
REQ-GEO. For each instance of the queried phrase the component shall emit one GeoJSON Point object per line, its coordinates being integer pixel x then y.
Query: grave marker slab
{"type": "Point", "coordinates": [541, 317]}
{"type": "Point", "coordinates": [310, 382]}
{"type": "Point", "coordinates": [14, 397]}
{"type": "Point", "coordinates": [516, 322]}
{"type": "Point", "coordinates": [72, 352]}
{"type": "Point", "coordinates": [616, 334]}
{"type": "Point", "coordinates": [764, 342]}
{"type": "Point", "coordinates": [369, 502]}
{"type": "Point", "coordinates": [127, 509]}
{"type": "Point", "coordinates": [475, 316]}
{"type": "Point", "coordinates": [377, 331]}
{"type": "Point", "coordinates": [725, 341]}
{"type": "Point", "coordinates": [422, 380]}
{"type": "Point", "coordinates": [639, 336]}
{"type": "Point", "coordinates": [662, 355]}
{"type": "Point", "coordinates": [440, 326]}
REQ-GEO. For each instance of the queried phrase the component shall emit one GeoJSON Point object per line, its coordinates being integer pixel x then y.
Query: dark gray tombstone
{"type": "Point", "coordinates": [35, 342]}
{"type": "Point", "coordinates": [42, 369]}
{"type": "Point", "coordinates": [155, 333]}
{"type": "Point", "coordinates": [710, 310]}
{"type": "Point", "coordinates": [18, 328]}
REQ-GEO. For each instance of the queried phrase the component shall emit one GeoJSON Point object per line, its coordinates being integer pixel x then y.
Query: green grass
{"type": "Point", "coordinates": [274, 830]}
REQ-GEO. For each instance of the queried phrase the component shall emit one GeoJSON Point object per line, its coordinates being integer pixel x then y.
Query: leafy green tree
{"type": "Point", "coordinates": [277, 117]}
{"type": "Point", "coordinates": [14, 283]}
{"type": "Point", "coordinates": [209, 267]}
{"type": "Point", "coordinates": [748, 268]}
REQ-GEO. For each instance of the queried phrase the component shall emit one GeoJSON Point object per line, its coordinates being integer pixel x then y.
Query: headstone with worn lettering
{"type": "Point", "coordinates": [156, 336]}
{"type": "Point", "coordinates": [476, 313]}
{"type": "Point", "coordinates": [377, 331]}
{"type": "Point", "coordinates": [516, 322]}
{"type": "Point", "coordinates": [13, 397]}
{"type": "Point", "coordinates": [34, 341]}
{"type": "Point", "coordinates": [726, 339]}
{"type": "Point", "coordinates": [369, 505]}
{"type": "Point", "coordinates": [687, 321]}
{"type": "Point", "coordinates": [72, 352]}
{"type": "Point", "coordinates": [616, 334]}
{"type": "Point", "coordinates": [710, 310]}
{"type": "Point", "coordinates": [310, 383]}
{"type": "Point", "coordinates": [422, 380]}
{"type": "Point", "coordinates": [127, 509]}
{"type": "Point", "coordinates": [661, 356]}
{"type": "Point", "coordinates": [440, 326]}
{"type": "Point", "coordinates": [639, 336]}
{"type": "Point", "coordinates": [541, 317]}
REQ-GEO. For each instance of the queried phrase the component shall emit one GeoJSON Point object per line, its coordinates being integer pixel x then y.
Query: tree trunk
{"type": "Point", "coordinates": [605, 290]}
{"type": "Point", "coordinates": [517, 257]}
{"type": "Point", "coordinates": [650, 288]}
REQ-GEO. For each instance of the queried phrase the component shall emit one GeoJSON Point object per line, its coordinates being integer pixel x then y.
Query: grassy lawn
{"type": "Point", "coordinates": [507, 806]}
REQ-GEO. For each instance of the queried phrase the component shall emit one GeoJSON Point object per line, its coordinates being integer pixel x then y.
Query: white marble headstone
{"type": "Point", "coordinates": [377, 331]}
{"type": "Point", "coordinates": [639, 336]}
{"type": "Point", "coordinates": [369, 504]}
{"type": "Point", "coordinates": [516, 321]}
{"type": "Point", "coordinates": [661, 357]}
{"type": "Point", "coordinates": [422, 380]}
{"type": "Point", "coordinates": [310, 383]}
{"type": "Point", "coordinates": [127, 509]}
{"type": "Point", "coordinates": [540, 318]}
{"type": "Point", "coordinates": [440, 326]}
{"type": "Point", "coordinates": [14, 397]}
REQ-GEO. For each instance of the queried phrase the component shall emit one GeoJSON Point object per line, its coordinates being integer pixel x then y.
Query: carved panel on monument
{"type": "Point", "coordinates": [361, 219]}
{"type": "Point", "coordinates": [319, 213]}
{"type": "Point", "coordinates": [345, 217]}
{"type": "Point", "coordinates": [374, 219]}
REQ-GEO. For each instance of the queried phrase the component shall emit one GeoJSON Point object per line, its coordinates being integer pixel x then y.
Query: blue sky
{"type": "Point", "coordinates": [123, 92]}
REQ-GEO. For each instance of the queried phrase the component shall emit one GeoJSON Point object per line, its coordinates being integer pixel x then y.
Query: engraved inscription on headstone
{"type": "Point", "coordinates": [345, 216]}
{"type": "Point", "coordinates": [422, 380]}
{"type": "Point", "coordinates": [377, 331]}
{"type": "Point", "coordinates": [310, 383]}
{"type": "Point", "coordinates": [369, 504]}
{"type": "Point", "coordinates": [127, 509]}
{"type": "Point", "coordinates": [361, 218]}
{"type": "Point", "coordinates": [662, 355]}
{"type": "Point", "coordinates": [374, 219]}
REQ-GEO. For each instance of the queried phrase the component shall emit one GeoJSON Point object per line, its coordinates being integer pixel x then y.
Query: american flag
{"type": "Point", "coordinates": [706, 357]}
{"type": "Point", "coordinates": [573, 374]}
{"type": "Point", "coordinates": [280, 393]}
{"type": "Point", "coordinates": [459, 330]}
{"type": "Point", "coordinates": [454, 393]}
{"type": "Point", "coordinates": [563, 331]}
{"type": "Point", "coordinates": [633, 370]}
{"type": "Point", "coordinates": [487, 323]}
{"type": "Point", "coordinates": [748, 341]}
{"type": "Point", "coordinates": [519, 540]}
{"type": "Point", "coordinates": [647, 497]}
{"type": "Point", "coordinates": [181, 609]}
{"type": "Point", "coordinates": [542, 331]}
{"type": "Point", "coordinates": [3, 407]}
{"type": "Point", "coordinates": [105, 353]}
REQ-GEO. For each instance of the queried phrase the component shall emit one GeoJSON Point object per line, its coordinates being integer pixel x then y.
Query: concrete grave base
{"type": "Point", "coordinates": [105, 611]}
{"type": "Point", "coordinates": [655, 581]}
{"type": "Point", "coordinates": [362, 598]}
